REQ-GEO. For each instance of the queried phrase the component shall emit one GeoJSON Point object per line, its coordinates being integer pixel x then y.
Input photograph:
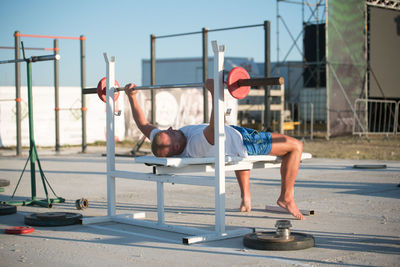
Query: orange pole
{"type": "Point", "coordinates": [48, 36]}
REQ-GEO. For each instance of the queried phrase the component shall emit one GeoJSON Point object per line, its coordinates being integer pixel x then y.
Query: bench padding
{"type": "Point", "coordinates": [179, 162]}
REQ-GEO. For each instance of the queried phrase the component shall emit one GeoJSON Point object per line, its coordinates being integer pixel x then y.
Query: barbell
{"type": "Point", "coordinates": [238, 83]}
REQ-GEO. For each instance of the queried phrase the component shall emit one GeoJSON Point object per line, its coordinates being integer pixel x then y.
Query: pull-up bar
{"type": "Point", "coordinates": [204, 32]}
{"type": "Point", "coordinates": [82, 39]}
{"type": "Point", "coordinates": [17, 34]}
{"type": "Point", "coordinates": [208, 30]}
{"type": "Point", "coordinates": [31, 48]}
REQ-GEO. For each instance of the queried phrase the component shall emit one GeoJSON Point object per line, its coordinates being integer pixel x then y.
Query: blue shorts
{"type": "Point", "coordinates": [256, 143]}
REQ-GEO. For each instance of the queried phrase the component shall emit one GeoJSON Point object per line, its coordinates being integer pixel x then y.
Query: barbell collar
{"type": "Point", "coordinates": [87, 91]}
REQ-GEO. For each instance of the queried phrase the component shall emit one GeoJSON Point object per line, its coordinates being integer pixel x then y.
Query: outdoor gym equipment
{"type": "Point", "coordinates": [281, 239]}
{"type": "Point", "coordinates": [238, 83]}
{"type": "Point", "coordinates": [33, 155]}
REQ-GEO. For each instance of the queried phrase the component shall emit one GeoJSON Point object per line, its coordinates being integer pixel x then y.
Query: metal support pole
{"type": "Point", "coordinates": [219, 137]}
{"type": "Point", "coordinates": [110, 128]}
{"type": "Point", "coordinates": [56, 97]}
{"type": "Point", "coordinates": [312, 121]}
{"type": "Point", "coordinates": [267, 73]}
{"type": "Point", "coordinates": [153, 76]}
{"type": "Point", "coordinates": [32, 154]}
{"type": "Point", "coordinates": [160, 203]}
{"type": "Point", "coordinates": [83, 84]}
{"type": "Point", "coordinates": [206, 115]}
{"type": "Point", "coordinates": [18, 92]}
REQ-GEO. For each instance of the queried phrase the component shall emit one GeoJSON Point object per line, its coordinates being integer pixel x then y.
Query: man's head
{"type": "Point", "coordinates": [168, 143]}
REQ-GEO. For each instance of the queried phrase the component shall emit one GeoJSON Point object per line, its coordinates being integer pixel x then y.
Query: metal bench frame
{"type": "Point", "coordinates": [173, 174]}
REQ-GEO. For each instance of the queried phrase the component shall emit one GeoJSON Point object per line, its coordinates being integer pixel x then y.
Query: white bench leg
{"type": "Point", "coordinates": [111, 200]}
{"type": "Point", "coordinates": [219, 135]}
{"type": "Point", "coordinates": [160, 202]}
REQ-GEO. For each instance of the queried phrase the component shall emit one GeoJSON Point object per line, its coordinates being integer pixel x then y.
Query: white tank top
{"type": "Point", "coordinates": [197, 145]}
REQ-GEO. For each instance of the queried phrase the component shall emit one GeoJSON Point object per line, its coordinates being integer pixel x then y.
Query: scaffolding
{"type": "Point", "coordinates": [335, 66]}
{"type": "Point", "coordinates": [306, 75]}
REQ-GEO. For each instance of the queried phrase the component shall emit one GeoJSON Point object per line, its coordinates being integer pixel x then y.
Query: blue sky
{"type": "Point", "coordinates": [122, 28]}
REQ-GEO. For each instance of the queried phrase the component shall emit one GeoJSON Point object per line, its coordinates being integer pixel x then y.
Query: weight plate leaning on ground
{"type": "Point", "coordinates": [370, 166]}
{"type": "Point", "coordinates": [268, 241]}
{"type": "Point", "coordinates": [53, 219]}
{"type": "Point", "coordinates": [19, 230]}
{"type": "Point", "coordinates": [7, 209]}
{"type": "Point", "coordinates": [4, 182]}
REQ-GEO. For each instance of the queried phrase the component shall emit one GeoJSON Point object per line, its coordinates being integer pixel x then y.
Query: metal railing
{"type": "Point", "coordinates": [300, 119]}
{"type": "Point", "coordinates": [372, 116]}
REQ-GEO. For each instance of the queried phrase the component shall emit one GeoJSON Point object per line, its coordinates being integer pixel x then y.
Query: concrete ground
{"type": "Point", "coordinates": [356, 221]}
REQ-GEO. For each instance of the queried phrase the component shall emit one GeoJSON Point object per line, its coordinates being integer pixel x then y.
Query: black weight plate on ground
{"type": "Point", "coordinates": [4, 182]}
{"type": "Point", "coordinates": [51, 216]}
{"type": "Point", "coordinates": [7, 209]}
{"type": "Point", "coordinates": [63, 219]}
{"type": "Point", "coordinates": [257, 240]}
{"type": "Point", "coordinates": [370, 166]}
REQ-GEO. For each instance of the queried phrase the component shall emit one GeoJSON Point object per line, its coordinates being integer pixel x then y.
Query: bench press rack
{"type": "Point", "coordinates": [169, 170]}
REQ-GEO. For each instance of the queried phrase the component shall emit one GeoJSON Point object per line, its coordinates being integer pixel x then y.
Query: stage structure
{"type": "Point", "coordinates": [349, 57]}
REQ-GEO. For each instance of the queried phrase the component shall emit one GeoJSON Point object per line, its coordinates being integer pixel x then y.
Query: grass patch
{"type": "Point", "coordinates": [354, 147]}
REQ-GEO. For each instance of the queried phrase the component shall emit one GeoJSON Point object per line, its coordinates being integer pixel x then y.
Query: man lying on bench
{"type": "Point", "coordinates": [198, 141]}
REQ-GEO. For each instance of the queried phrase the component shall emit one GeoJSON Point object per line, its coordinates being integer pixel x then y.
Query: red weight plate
{"type": "Point", "coordinates": [101, 90]}
{"type": "Point", "coordinates": [18, 230]}
{"type": "Point", "coordinates": [234, 76]}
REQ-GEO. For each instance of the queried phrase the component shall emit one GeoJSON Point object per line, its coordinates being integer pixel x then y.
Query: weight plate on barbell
{"type": "Point", "coordinates": [101, 90]}
{"type": "Point", "coordinates": [53, 219]}
{"type": "Point", "coordinates": [269, 241]}
{"type": "Point", "coordinates": [237, 91]}
{"type": "Point", "coordinates": [6, 209]}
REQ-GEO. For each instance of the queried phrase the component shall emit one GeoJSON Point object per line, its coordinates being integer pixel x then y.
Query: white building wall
{"type": "Point", "coordinates": [176, 108]}
{"type": "Point", "coordinates": [44, 117]}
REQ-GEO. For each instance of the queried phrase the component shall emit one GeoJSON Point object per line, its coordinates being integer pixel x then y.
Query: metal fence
{"type": "Point", "coordinates": [373, 116]}
{"type": "Point", "coordinates": [299, 119]}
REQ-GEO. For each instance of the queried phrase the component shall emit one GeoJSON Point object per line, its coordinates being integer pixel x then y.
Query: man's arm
{"type": "Point", "coordinates": [144, 126]}
{"type": "Point", "coordinates": [209, 130]}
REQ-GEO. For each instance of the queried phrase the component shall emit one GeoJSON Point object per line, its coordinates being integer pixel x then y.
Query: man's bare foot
{"type": "Point", "coordinates": [292, 208]}
{"type": "Point", "coordinates": [245, 206]}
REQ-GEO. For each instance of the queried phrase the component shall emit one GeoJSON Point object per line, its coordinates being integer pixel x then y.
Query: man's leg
{"type": "Point", "coordinates": [290, 149]}
{"type": "Point", "coordinates": [243, 178]}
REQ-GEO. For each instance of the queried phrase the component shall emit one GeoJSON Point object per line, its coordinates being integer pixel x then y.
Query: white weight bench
{"type": "Point", "coordinates": [174, 170]}
{"type": "Point", "coordinates": [174, 165]}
